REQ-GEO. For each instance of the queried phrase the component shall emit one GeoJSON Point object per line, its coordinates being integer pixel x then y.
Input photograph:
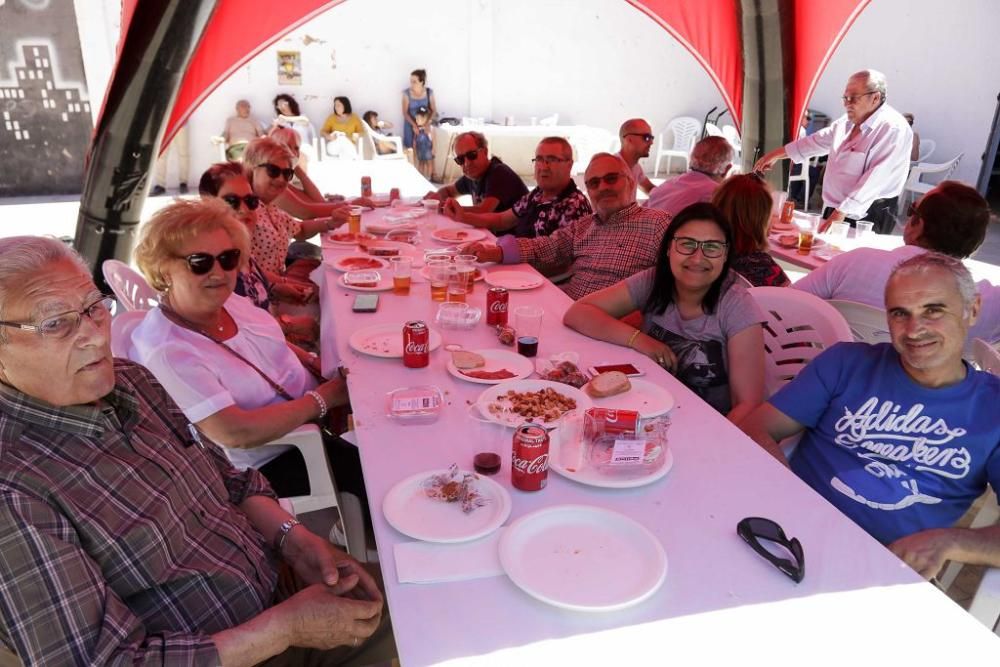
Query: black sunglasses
{"type": "Point", "coordinates": [274, 171]}
{"type": "Point", "coordinates": [754, 528]}
{"type": "Point", "coordinates": [201, 263]}
{"type": "Point", "coordinates": [645, 136]}
{"type": "Point", "coordinates": [251, 201]}
{"type": "Point", "coordinates": [471, 155]}
{"type": "Point", "coordinates": [609, 179]}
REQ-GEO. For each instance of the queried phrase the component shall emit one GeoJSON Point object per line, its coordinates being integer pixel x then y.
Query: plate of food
{"type": "Point", "coordinates": [536, 400]}
{"type": "Point", "coordinates": [347, 239]}
{"type": "Point", "coordinates": [386, 340]}
{"type": "Point", "coordinates": [390, 249]}
{"type": "Point", "coordinates": [385, 227]}
{"type": "Point", "coordinates": [366, 281]}
{"type": "Point", "coordinates": [359, 263]}
{"type": "Point", "coordinates": [614, 389]}
{"type": "Point", "coordinates": [446, 506]}
{"type": "Point", "coordinates": [453, 235]}
{"type": "Point", "coordinates": [513, 279]}
{"type": "Point", "coordinates": [489, 366]}
{"type": "Point", "coordinates": [583, 558]}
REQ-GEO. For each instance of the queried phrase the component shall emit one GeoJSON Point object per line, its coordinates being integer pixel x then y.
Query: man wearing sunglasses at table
{"type": "Point", "coordinates": [900, 437]}
{"type": "Point", "coordinates": [636, 138]}
{"type": "Point", "coordinates": [493, 185]}
{"type": "Point", "coordinates": [711, 159]}
{"type": "Point", "coordinates": [869, 155]}
{"type": "Point", "coordinates": [618, 240]}
{"type": "Point", "coordinates": [127, 537]}
{"type": "Point", "coordinates": [554, 203]}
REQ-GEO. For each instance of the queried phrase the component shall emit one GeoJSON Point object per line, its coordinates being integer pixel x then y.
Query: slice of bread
{"type": "Point", "coordinates": [465, 360]}
{"type": "Point", "coordinates": [608, 384]}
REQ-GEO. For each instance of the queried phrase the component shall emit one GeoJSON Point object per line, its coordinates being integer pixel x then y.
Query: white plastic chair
{"type": "Point", "coordinates": [798, 327]}
{"type": "Point", "coordinates": [122, 327]}
{"type": "Point", "coordinates": [685, 131]}
{"type": "Point", "coordinates": [985, 356]}
{"type": "Point", "coordinates": [732, 135]}
{"type": "Point", "coordinates": [132, 290]}
{"type": "Point", "coordinates": [926, 149]}
{"type": "Point", "coordinates": [550, 120]}
{"type": "Point", "coordinates": [915, 187]}
{"type": "Point", "coordinates": [713, 130]}
{"type": "Point", "coordinates": [803, 176]}
{"type": "Point", "coordinates": [367, 145]}
{"type": "Point", "coordinates": [868, 323]}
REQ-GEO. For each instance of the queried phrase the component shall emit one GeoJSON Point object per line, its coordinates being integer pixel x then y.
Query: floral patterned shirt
{"type": "Point", "coordinates": [539, 217]}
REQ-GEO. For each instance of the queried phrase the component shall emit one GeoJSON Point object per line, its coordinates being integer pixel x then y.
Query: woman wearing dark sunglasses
{"type": "Point", "coordinates": [697, 320]}
{"type": "Point", "coordinates": [223, 360]}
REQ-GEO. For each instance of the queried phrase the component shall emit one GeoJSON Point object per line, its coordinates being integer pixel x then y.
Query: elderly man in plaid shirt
{"type": "Point", "coordinates": [618, 240]}
{"type": "Point", "coordinates": [126, 537]}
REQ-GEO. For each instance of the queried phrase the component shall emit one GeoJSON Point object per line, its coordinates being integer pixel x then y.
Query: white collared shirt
{"type": "Point", "coordinates": [872, 166]}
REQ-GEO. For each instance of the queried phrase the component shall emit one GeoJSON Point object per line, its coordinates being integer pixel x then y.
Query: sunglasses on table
{"type": "Point", "coordinates": [754, 529]}
{"type": "Point", "coordinates": [251, 201]}
{"type": "Point", "coordinates": [686, 245]}
{"type": "Point", "coordinates": [645, 136]}
{"type": "Point", "coordinates": [201, 263]}
{"type": "Point", "coordinates": [548, 159]}
{"type": "Point", "coordinates": [273, 171]}
{"type": "Point", "coordinates": [607, 179]}
{"type": "Point", "coordinates": [63, 325]}
{"type": "Point", "coordinates": [462, 157]}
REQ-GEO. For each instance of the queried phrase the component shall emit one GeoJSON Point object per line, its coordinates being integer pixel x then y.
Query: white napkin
{"type": "Point", "coordinates": [429, 563]}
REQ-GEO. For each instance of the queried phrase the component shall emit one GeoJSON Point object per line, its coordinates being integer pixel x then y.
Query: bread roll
{"type": "Point", "coordinates": [465, 360]}
{"type": "Point", "coordinates": [608, 384]}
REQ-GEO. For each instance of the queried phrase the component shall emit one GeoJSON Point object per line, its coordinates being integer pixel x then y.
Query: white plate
{"type": "Point", "coordinates": [411, 512]}
{"type": "Point", "coordinates": [583, 558]}
{"type": "Point", "coordinates": [341, 263]}
{"type": "Point", "coordinates": [452, 235]}
{"type": "Point", "coordinates": [385, 227]}
{"type": "Point", "coordinates": [496, 360]}
{"type": "Point", "coordinates": [385, 340]}
{"type": "Point", "coordinates": [583, 401]}
{"type": "Point", "coordinates": [645, 397]}
{"type": "Point", "coordinates": [514, 280]}
{"type": "Point", "coordinates": [405, 249]}
{"type": "Point", "coordinates": [384, 284]}
{"type": "Point", "coordinates": [479, 274]}
{"type": "Point", "coordinates": [592, 477]}
{"type": "Point", "coordinates": [328, 239]}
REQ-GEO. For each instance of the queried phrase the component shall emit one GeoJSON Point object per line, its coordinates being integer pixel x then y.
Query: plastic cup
{"type": "Point", "coordinates": [527, 326]}
{"type": "Point", "coordinates": [864, 228]}
{"type": "Point", "coordinates": [354, 220]}
{"type": "Point", "coordinates": [778, 203]}
{"type": "Point", "coordinates": [402, 272]}
{"type": "Point", "coordinates": [457, 288]}
{"type": "Point", "coordinates": [807, 224]}
{"type": "Point", "coordinates": [465, 265]}
{"type": "Point", "coordinates": [437, 277]}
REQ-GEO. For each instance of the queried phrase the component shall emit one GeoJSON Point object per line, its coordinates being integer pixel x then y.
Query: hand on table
{"type": "Point", "coordinates": [656, 350]}
{"type": "Point", "coordinates": [926, 551]}
{"type": "Point", "coordinates": [484, 252]}
{"type": "Point", "coordinates": [453, 209]}
{"type": "Point", "coordinates": [433, 194]}
{"type": "Point", "coordinates": [359, 201]}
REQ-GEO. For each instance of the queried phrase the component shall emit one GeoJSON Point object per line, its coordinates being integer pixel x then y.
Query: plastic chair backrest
{"type": "Point", "coordinates": [122, 327]}
{"type": "Point", "coordinates": [798, 327]}
{"type": "Point", "coordinates": [927, 147]}
{"type": "Point", "coordinates": [868, 323]}
{"type": "Point", "coordinates": [732, 135]}
{"type": "Point", "coordinates": [685, 130]}
{"type": "Point", "coordinates": [986, 356]}
{"type": "Point", "coordinates": [712, 130]}
{"type": "Point", "coordinates": [132, 290]}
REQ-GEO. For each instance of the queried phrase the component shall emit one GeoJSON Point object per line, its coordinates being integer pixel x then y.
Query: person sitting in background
{"type": "Point", "coordinates": [554, 203]}
{"type": "Point", "coordinates": [698, 321]}
{"type": "Point", "coordinates": [128, 537]}
{"type": "Point", "coordinates": [342, 130]}
{"type": "Point", "coordinates": [240, 130]}
{"type": "Point", "coordinates": [951, 219]}
{"type": "Point", "coordinates": [382, 147]}
{"type": "Point", "coordinates": [287, 114]}
{"type": "Point", "coordinates": [616, 241]}
{"type": "Point", "coordinates": [493, 185]}
{"type": "Point", "coordinates": [302, 198]}
{"type": "Point", "coordinates": [636, 138]}
{"type": "Point", "coordinates": [915, 151]}
{"type": "Point", "coordinates": [900, 437]}
{"type": "Point", "coordinates": [710, 161]}
{"type": "Point", "coordinates": [745, 200]}
{"type": "Point", "coordinates": [423, 143]}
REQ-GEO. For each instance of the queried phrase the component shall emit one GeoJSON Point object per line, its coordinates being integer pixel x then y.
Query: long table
{"type": "Point", "coordinates": [343, 177]}
{"type": "Point", "coordinates": [720, 603]}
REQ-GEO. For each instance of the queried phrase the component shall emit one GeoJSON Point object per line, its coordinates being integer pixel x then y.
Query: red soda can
{"type": "Point", "coordinates": [416, 344]}
{"type": "Point", "coordinates": [608, 421]}
{"type": "Point", "coordinates": [497, 299]}
{"type": "Point", "coordinates": [394, 194]}
{"type": "Point", "coordinates": [529, 469]}
{"type": "Point", "coordinates": [366, 186]}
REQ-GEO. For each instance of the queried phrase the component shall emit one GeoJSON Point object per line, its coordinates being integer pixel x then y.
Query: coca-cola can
{"type": "Point", "coordinates": [787, 212]}
{"type": "Point", "coordinates": [608, 421]}
{"type": "Point", "coordinates": [416, 344]}
{"type": "Point", "coordinates": [497, 299]}
{"type": "Point", "coordinates": [529, 469]}
{"type": "Point", "coordinates": [366, 186]}
{"type": "Point", "coordinates": [394, 194]}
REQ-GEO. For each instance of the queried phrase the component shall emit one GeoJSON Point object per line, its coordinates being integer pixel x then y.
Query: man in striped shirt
{"type": "Point", "coordinates": [619, 239]}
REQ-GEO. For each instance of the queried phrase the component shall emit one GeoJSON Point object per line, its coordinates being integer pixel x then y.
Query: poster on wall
{"type": "Point", "coordinates": [289, 68]}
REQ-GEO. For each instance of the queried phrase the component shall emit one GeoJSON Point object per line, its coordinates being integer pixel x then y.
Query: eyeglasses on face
{"type": "Point", "coordinates": [462, 157]}
{"type": "Point", "coordinates": [686, 245]}
{"type": "Point", "coordinates": [645, 136]}
{"type": "Point", "coordinates": [251, 201]}
{"type": "Point", "coordinates": [754, 529]}
{"type": "Point", "coordinates": [607, 179]}
{"type": "Point", "coordinates": [273, 171]}
{"type": "Point", "coordinates": [201, 263]}
{"type": "Point", "coordinates": [64, 325]}
{"type": "Point", "coordinates": [548, 159]}
{"type": "Point", "coordinates": [851, 99]}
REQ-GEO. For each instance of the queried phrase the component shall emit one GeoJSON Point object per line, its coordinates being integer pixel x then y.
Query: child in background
{"type": "Point", "coordinates": [423, 143]}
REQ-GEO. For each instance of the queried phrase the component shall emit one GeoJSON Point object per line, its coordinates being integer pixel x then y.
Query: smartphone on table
{"type": "Point", "coordinates": [365, 303]}
{"type": "Point", "coordinates": [628, 369]}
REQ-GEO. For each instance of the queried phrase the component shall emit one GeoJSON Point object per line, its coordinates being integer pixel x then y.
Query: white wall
{"type": "Point", "coordinates": [937, 59]}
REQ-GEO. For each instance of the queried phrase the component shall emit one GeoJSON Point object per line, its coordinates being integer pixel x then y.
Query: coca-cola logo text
{"type": "Point", "coordinates": [498, 307]}
{"type": "Point", "coordinates": [534, 466]}
{"type": "Point", "coordinates": [416, 348]}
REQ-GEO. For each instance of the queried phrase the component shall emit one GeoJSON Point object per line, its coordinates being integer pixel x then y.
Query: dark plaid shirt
{"type": "Point", "coordinates": [120, 537]}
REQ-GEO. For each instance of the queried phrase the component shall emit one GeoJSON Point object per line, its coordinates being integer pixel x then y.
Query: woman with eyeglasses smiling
{"type": "Point", "coordinates": [223, 360]}
{"type": "Point", "coordinates": [698, 321]}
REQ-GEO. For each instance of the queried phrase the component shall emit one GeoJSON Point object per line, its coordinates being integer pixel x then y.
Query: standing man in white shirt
{"type": "Point", "coordinates": [636, 138]}
{"type": "Point", "coordinates": [869, 155]}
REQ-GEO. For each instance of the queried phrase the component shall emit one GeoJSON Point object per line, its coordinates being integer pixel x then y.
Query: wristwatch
{"type": "Point", "coordinates": [283, 530]}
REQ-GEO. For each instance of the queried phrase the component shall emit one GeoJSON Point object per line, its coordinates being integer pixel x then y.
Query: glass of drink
{"type": "Point", "coordinates": [864, 228]}
{"type": "Point", "coordinates": [527, 326]}
{"type": "Point", "coordinates": [354, 220]}
{"type": "Point", "coordinates": [491, 441]}
{"type": "Point", "coordinates": [457, 289]}
{"type": "Point", "coordinates": [466, 267]}
{"type": "Point", "coordinates": [437, 276]}
{"type": "Point", "coordinates": [402, 270]}
{"type": "Point", "coordinates": [807, 232]}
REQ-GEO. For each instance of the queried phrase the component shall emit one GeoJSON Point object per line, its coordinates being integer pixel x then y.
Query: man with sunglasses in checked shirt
{"type": "Point", "coordinates": [493, 185]}
{"type": "Point", "coordinates": [618, 240]}
{"type": "Point", "coordinates": [127, 537]}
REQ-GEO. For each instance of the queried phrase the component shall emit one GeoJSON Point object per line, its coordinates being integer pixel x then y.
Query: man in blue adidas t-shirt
{"type": "Point", "coordinates": [902, 438]}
